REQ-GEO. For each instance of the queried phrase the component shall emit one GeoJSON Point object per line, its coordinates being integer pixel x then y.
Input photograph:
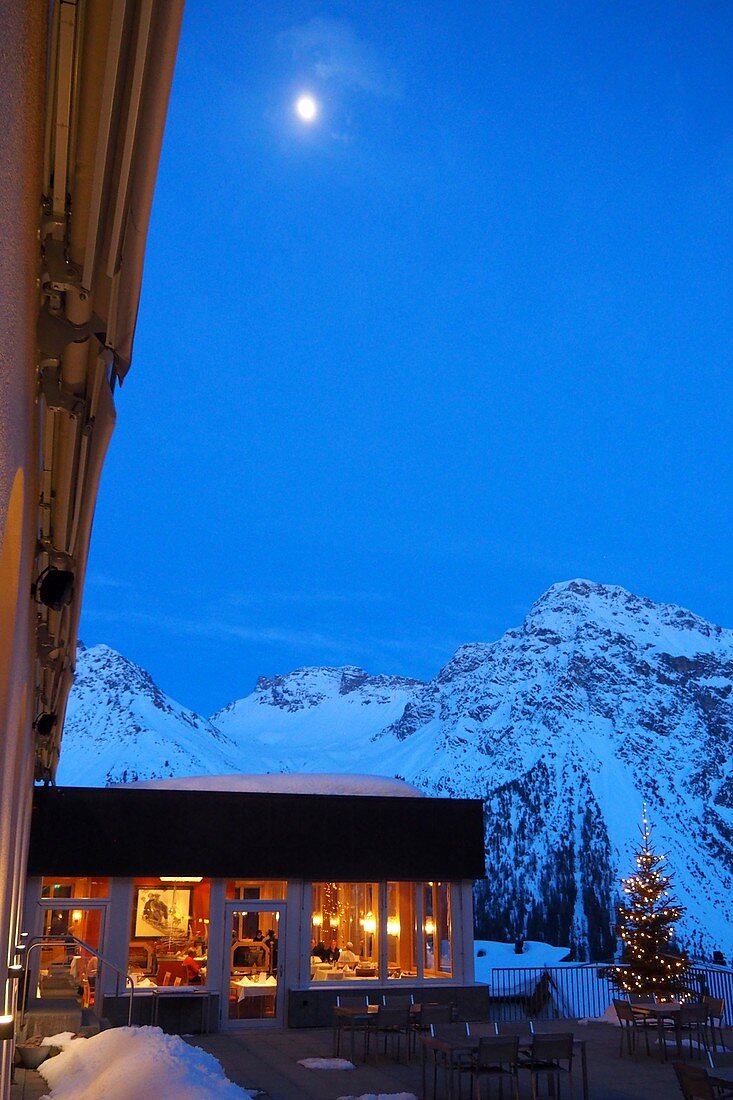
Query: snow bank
{"type": "Point", "coordinates": [128, 1063]}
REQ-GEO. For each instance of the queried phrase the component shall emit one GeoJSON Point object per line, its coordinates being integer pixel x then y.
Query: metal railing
{"type": "Point", "coordinates": [66, 940]}
{"type": "Point", "coordinates": [586, 990]}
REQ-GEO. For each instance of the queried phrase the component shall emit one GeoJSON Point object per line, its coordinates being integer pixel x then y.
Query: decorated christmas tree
{"type": "Point", "coordinates": [646, 926]}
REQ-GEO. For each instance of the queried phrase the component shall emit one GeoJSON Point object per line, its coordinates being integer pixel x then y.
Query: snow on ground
{"type": "Point", "coordinates": [503, 955]}
{"type": "Point", "coordinates": [382, 1096]}
{"type": "Point", "coordinates": [325, 1063]}
{"type": "Point", "coordinates": [128, 1063]}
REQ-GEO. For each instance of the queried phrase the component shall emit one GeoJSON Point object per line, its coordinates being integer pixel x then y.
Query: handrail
{"type": "Point", "coordinates": [66, 939]}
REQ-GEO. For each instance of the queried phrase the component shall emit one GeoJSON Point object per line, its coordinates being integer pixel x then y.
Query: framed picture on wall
{"type": "Point", "coordinates": [162, 913]}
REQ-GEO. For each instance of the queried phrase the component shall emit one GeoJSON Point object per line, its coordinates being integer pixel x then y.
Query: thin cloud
{"type": "Point", "coordinates": [335, 54]}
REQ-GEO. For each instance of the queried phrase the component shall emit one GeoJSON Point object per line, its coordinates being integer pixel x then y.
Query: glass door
{"type": "Point", "coordinates": [66, 969]}
{"type": "Point", "coordinates": [254, 956]}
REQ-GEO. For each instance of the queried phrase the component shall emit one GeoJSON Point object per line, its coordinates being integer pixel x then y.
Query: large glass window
{"type": "Point", "coordinates": [402, 938]}
{"type": "Point", "coordinates": [345, 930]}
{"type": "Point", "coordinates": [170, 931]}
{"type": "Point", "coordinates": [438, 957]}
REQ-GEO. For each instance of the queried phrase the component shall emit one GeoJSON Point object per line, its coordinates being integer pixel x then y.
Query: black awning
{"type": "Point", "coordinates": [142, 832]}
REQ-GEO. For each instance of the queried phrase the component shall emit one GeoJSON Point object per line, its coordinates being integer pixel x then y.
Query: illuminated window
{"type": "Point", "coordinates": [402, 938]}
{"type": "Point", "coordinates": [170, 930]}
{"type": "Point", "coordinates": [438, 959]}
{"type": "Point", "coordinates": [345, 929]}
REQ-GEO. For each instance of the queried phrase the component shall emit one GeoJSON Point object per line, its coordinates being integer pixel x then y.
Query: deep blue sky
{"type": "Point", "coordinates": [398, 372]}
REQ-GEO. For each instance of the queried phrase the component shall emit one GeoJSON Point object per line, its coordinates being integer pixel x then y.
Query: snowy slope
{"type": "Point", "coordinates": [600, 699]}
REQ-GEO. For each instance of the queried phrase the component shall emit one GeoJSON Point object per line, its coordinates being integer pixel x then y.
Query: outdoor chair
{"type": "Point", "coordinates": [452, 1032]}
{"type": "Point", "coordinates": [340, 1023]}
{"type": "Point", "coordinates": [521, 1028]}
{"type": "Point", "coordinates": [631, 1024]}
{"type": "Point", "coordinates": [545, 1059]}
{"type": "Point", "coordinates": [696, 1085]}
{"type": "Point", "coordinates": [641, 998]}
{"type": "Point", "coordinates": [482, 1029]}
{"type": "Point", "coordinates": [693, 1019]}
{"type": "Point", "coordinates": [497, 1058]}
{"type": "Point", "coordinates": [716, 1017]}
{"type": "Point", "coordinates": [392, 1023]}
{"type": "Point", "coordinates": [426, 1015]}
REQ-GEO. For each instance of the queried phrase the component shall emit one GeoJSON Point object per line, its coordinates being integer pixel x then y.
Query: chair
{"type": "Point", "coordinates": [354, 1024]}
{"type": "Point", "coordinates": [716, 1017]}
{"type": "Point", "coordinates": [546, 1056]}
{"type": "Point", "coordinates": [631, 1024]}
{"type": "Point", "coordinates": [482, 1029]}
{"type": "Point", "coordinates": [426, 1015]}
{"type": "Point", "coordinates": [457, 1059]}
{"type": "Point", "coordinates": [398, 1000]}
{"type": "Point", "coordinates": [641, 998]}
{"type": "Point", "coordinates": [497, 1057]}
{"type": "Point", "coordinates": [520, 1028]}
{"type": "Point", "coordinates": [696, 1085]}
{"type": "Point", "coordinates": [392, 1023]}
{"type": "Point", "coordinates": [693, 1018]}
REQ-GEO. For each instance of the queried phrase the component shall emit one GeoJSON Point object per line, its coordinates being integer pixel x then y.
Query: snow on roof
{"type": "Point", "coordinates": [290, 783]}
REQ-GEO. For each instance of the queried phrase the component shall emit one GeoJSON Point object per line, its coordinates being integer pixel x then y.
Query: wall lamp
{"type": "Point", "coordinates": [44, 723]}
{"type": "Point", "coordinates": [7, 1027]}
{"type": "Point", "coordinates": [54, 587]}
{"type": "Point", "coordinates": [15, 971]}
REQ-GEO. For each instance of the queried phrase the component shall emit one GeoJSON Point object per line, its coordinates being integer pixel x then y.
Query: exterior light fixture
{"type": "Point", "coordinates": [181, 878]}
{"type": "Point", "coordinates": [7, 1027]}
{"type": "Point", "coordinates": [54, 587]}
{"type": "Point", "coordinates": [15, 971]}
{"type": "Point", "coordinates": [19, 947]}
{"type": "Point", "coordinates": [44, 724]}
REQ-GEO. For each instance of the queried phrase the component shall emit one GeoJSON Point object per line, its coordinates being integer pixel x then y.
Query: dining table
{"type": "Point", "coordinates": [452, 1049]}
{"type": "Point", "coordinates": [661, 1012]}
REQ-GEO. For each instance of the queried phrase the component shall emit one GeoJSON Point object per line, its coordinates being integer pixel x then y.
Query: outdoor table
{"type": "Point", "coordinates": [353, 1016]}
{"type": "Point", "coordinates": [449, 1047]}
{"type": "Point", "coordinates": [665, 1010]}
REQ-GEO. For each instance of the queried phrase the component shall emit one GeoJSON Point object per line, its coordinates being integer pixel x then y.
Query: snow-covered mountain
{"type": "Point", "coordinates": [601, 699]}
{"type": "Point", "coordinates": [121, 727]}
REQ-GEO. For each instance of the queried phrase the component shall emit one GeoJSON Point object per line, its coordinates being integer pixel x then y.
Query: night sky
{"type": "Point", "coordinates": [398, 370]}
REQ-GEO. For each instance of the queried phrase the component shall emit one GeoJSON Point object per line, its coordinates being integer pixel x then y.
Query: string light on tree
{"type": "Point", "coordinates": [646, 925]}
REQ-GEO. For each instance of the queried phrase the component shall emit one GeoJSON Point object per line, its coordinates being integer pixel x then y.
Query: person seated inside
{"type": "Point", "coordinates": [320, 952]}
{"type": "Point", "coordinates": [193, 966]}
{"type": "Point", "coordinates": [347, 955]}
{"type": "Point", "coordinates": [332, 952]}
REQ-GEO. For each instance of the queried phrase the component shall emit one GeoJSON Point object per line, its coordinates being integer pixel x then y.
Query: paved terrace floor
{"type": "Point", "coordinates": [268, 1060]}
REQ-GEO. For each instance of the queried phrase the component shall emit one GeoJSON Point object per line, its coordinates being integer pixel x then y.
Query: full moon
{"type": "Point", "coordinates": [306, 108]}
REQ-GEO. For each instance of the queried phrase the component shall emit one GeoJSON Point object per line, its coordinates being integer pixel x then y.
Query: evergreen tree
{"type": "Point", "coordinates": [646, 926]}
